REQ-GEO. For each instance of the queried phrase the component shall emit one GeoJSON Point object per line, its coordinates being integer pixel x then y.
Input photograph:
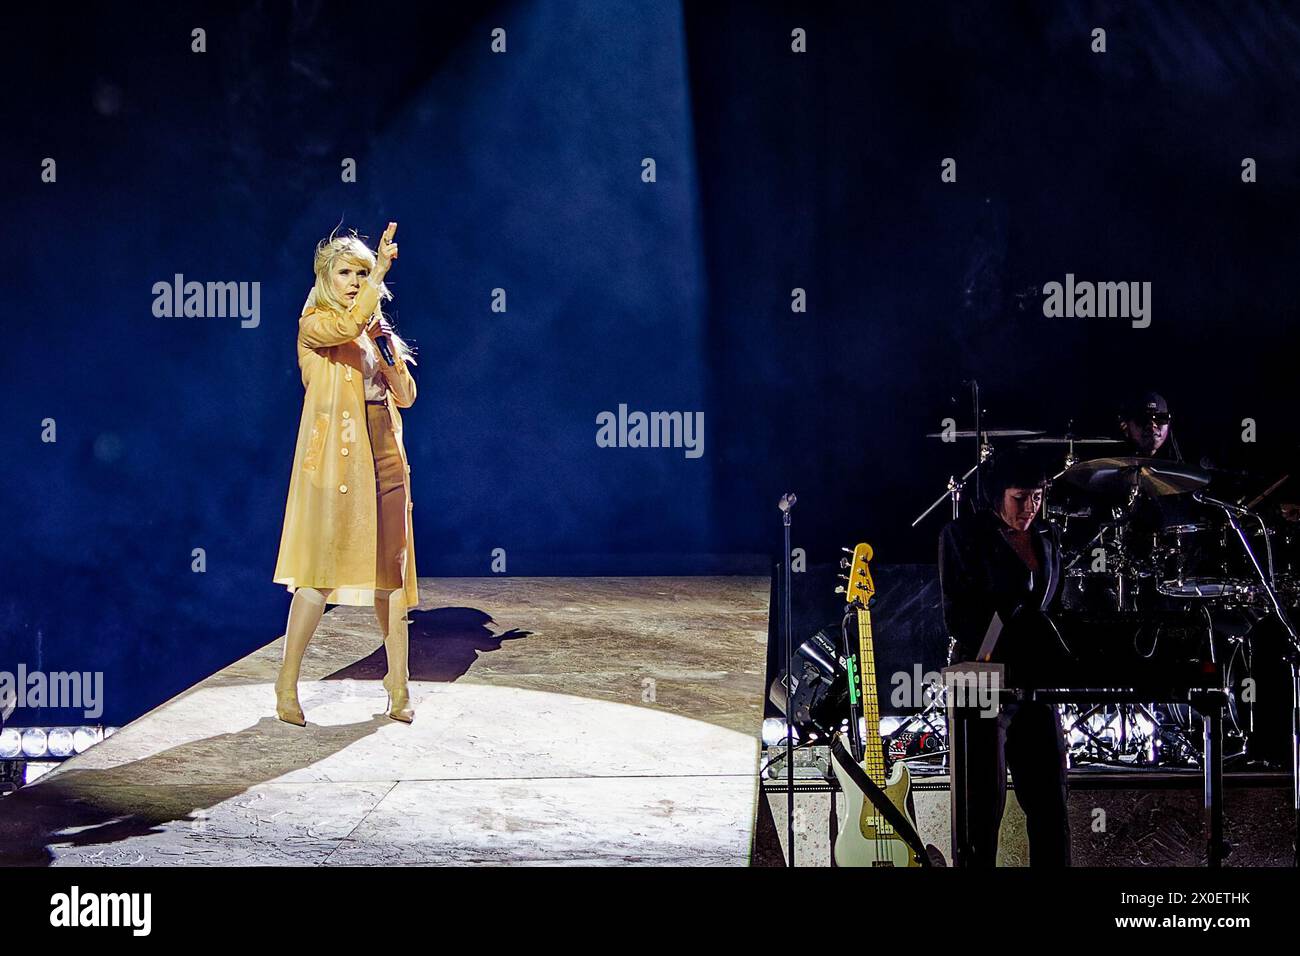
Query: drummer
{"type": "Point", "coordinates": [1147, 427]}
{"type": "Point", "coordinates": [1146, 430]}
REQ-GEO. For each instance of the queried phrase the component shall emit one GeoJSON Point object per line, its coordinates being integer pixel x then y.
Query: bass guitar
{"type": "Point", "coordinates": [867, 837]}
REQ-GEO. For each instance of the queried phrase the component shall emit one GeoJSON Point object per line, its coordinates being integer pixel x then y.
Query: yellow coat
{"type": "Point", "coordinates": [330, 522]}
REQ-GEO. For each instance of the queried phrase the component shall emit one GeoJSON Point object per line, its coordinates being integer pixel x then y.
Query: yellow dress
{"type": "Point", "coordinates": [330, 529]}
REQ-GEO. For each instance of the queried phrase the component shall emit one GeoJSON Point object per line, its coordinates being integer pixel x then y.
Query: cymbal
{"type": "Point", "coordinates": [987, 433]}
{"type": "Point", "coordinates": [1067, 439]}
{"type": "Point", "coordinates": [1151, 476]}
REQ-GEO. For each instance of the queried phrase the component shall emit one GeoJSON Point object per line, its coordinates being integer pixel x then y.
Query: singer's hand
{"type": "Point", "coordinates": [387, 252]}
{"type": "Point", "coordinates": [378, 327]}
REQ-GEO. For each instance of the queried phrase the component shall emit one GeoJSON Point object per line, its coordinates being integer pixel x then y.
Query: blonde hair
{"type": "Point", "coordinates": [352, 249]}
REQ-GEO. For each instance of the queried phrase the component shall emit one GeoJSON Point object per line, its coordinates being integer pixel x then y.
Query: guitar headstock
{"type": "Point", "coordinates": [859, 589]}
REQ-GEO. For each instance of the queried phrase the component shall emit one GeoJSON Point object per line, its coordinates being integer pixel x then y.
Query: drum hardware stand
{"type": "Point", "coordinates": [983, 454]}
{"type": "Point", "coordinates": [1069, 449]}
{"type": "Point", "coordinates": [1047, 493]}
{"type": "Point", "coordinates": [1117, 523]}
{"type": "Point", "coordinates": [1239, 646]}
{"type": "Point", "coordinates": [1105, 750]}
{"type": "Point", "coordinates": [1121, 541]}
{"type": "Point", "coordinates": [955, 486]}
{"type": "Point", "coordinates": [1233, 511]}
{"type": "Point", "coordinates": [1086, 548]}
{"type": "Point", "coordinates": [1080, 724]}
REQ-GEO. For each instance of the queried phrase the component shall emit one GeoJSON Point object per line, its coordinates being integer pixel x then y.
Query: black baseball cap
{"type": "Point", "coordinates": [1144, 405]}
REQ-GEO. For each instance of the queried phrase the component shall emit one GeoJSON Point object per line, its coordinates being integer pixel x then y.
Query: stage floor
{"type": "Point", "coordinates": [559, 721]}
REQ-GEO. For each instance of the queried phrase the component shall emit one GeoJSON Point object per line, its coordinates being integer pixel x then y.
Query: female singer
{"type": "Point", "coordinates": [347, 535]}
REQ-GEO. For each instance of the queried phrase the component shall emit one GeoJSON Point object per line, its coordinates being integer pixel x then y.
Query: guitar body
{"type": "Point", "coordinates": [866, 838]}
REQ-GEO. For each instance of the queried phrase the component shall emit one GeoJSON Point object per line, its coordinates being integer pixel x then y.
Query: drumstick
{"type": "Point", "coordinates": [1267, 491]}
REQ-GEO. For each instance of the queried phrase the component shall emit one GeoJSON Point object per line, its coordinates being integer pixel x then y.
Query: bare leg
{"type": "Point", "coordinates": [304, 614]}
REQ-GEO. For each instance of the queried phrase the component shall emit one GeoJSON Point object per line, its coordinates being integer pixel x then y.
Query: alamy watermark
{"type": "Point", "coordinates": [973, 689]}
{"type": "Point", "coordinates": [133, 911]}
{"type": "Point", "coordinates": [71, 690]}
{"type": "Point", "coordinates": [1099, 300]}
{"type": "Point", "coordinates": [208, 300]}
{"type": "Point", "coordinates": [651, 430]}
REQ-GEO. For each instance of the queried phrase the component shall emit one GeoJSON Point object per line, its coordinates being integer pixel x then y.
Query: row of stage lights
{"type": "Point", "coordinates": [773, 730]}
{"type": "Point", "coordinates": [49, 743]}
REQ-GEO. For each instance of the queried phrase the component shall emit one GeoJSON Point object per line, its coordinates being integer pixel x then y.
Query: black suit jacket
{"type": "Point", "coordinates": [980, 574]}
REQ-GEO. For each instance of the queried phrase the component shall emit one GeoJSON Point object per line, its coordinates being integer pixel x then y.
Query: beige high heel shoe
{"type": "Point", "coordinates": [287, 707]}
{"type": "Point", "coordinates": [304, 614]}
{"type": "Point", "coordinates": [399, 704]}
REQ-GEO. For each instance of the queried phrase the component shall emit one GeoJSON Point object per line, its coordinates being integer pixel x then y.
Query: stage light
{"type": "Point", "coordinates": [773, 731]}
{"type": "Point", "coordinates": [35, 742]}
{"type": "Point", "coordinates": [59, 742]}
{"type": "Point", "coordinates": [891, 725]}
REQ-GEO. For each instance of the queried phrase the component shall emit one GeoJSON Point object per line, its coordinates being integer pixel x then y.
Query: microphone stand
{"type": "Point", "coordinates": [981, 441]}
{"type": "Point", "coordinates": [786, 504]}
{"type": "Point", "coordinates": [1232, 511]}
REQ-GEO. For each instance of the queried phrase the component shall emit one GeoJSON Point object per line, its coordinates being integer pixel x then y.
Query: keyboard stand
{"type": "Point", "coordinates": [1208, 702]}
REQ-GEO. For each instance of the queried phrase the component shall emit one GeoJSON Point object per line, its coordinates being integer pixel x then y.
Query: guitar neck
{"type": "Point", "coordinates": [873, 755]}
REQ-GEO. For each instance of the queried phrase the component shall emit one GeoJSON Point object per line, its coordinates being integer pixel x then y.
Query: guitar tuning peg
{"type": "Point", "coordinates": [839, 589]}
{"type": "Point", "coordinates": [842, 577]}
{"type": "Point", "coordinates": [847, 550]}
{"type": "Point", "coordinates": [845, 562]}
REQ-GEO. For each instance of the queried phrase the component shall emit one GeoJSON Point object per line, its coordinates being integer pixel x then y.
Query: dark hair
{"type": "Point", "coordinates": [1011, 469]}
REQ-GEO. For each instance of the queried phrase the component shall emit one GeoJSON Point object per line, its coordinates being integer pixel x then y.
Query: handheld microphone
{"type": "Point", "coordinates": [381, 343]}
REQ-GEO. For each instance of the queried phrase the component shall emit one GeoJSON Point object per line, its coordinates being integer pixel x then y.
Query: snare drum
{"type": "Point", "coordinates": [1230, 590]}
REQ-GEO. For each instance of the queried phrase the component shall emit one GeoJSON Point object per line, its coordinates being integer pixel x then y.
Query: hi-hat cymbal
{"type": "Point", "coordinates": [1151, 476]}
{"type": "Point", "coordinates": [987, 433]}
{"type": "Point", "coordinates": [1067, 439]}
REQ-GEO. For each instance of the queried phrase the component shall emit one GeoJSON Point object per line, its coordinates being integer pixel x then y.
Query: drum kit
{"type": "Point", "coordinates": [1147, 550]}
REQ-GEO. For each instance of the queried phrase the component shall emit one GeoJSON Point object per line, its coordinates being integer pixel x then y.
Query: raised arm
{"type": "Point", "coordinates": [398, 376]}
{"type": "Point", "coordinates": [322, 329]}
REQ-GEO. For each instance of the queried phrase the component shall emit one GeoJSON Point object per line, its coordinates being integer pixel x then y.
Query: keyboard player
{"type": "Point", "coordinates": [1001, 559]}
